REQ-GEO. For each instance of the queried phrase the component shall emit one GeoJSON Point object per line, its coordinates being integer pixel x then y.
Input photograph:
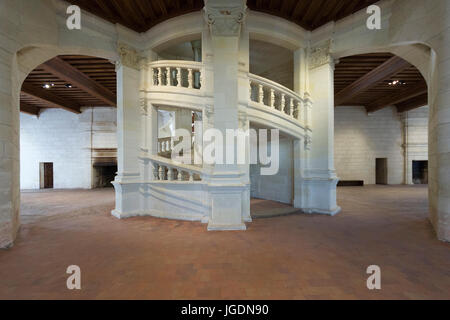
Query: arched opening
{"type": "Point", "coordinates": [381, 132]}
{"type": "Point", "coordinates": [68, 143]}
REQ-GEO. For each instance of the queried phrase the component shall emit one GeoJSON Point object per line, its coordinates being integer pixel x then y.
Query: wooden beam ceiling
{"type": "Point", "coordinates": [414, 103]}
{"type": "Point", "coordinates": [141, 15]}
{"type": "Point", "coordinates": [402, 95]}
{"type": "Point", "coordinates": [364, 80]}
{"type": "Point", "coordinates": [29, 109]}
{"type": "Point", "coordinates": [76, 81]}
{"type": "Point", "coordinates": [138, 15]}
{"type": "Point", "coordinates": [389, 68]}
{"type": "Point", "coordinates": [50, 99]}
{"type": "Point", "coordinates": [65, 71]}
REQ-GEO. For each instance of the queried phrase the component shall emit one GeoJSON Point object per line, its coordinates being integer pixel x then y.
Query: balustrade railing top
{"type": "Point", "coordinates": [177, 73]}
{"type": "Point", "coordinates": [275, 96]}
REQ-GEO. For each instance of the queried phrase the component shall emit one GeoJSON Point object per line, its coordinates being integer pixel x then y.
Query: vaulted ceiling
{"type": "Point", "coordinates": [69, 82]}
{"type": "Point", "coordinates": [141, 15]}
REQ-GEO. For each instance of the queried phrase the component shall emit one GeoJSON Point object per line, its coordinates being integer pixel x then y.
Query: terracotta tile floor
{"type": "Point", "coordinates": [290, 257]}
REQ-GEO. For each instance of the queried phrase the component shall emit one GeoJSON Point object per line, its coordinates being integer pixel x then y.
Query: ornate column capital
{"type": "Point", "coordinates": [320, 55]}
{"type": "Point", "coordinates": [129, 56]}
{"type": "Point", "coordinates": [225, 17]}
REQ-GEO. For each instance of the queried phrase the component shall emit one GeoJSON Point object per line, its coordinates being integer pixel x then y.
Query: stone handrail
{"type": "Point", "coordinates": [176, 73]}
{"type": "Point", "coordinates": [167, 170]}
{"type": "Point", "coordinates": [275, 96]}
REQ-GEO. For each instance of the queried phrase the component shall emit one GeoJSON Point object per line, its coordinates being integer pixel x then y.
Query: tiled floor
{"type": "Point", "coordinates": [289, 257]}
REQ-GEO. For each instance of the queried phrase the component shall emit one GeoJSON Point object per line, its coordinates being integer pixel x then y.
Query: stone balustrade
{"type": "Point", "coordinates": [167, 170]}
{"type": "Point", "coordinates": [270, 94]}
{"type": "Point", "coordinates": [177, 73]}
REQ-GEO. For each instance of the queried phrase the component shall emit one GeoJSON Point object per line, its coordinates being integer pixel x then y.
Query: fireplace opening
{"type": "Point", "coordinates": [103, 175]}
{"type": "Point", "coordinates": [420, 172]}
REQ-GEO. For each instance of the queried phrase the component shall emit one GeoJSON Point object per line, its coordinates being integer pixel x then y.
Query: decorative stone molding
{"type": "Point", "coordinates": [308, 142]}
{"type": "Point", "coordinates": [143, 106]}
{"type": "Point", "coordinates": [242, 118]}
{"type": "Point", "coordinates": [225, 17]}
{"type": "Point", "coordinates": [320, 55]}
{"type": "Point", "coordinates": [129, 56]}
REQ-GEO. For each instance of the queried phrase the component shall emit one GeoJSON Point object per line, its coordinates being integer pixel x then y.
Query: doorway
{"type": "Point", "coordinates": [420, 172]}
{"type": "Point", "coordinates": [382, 171]}
{"type": "Point", "coordinates": [46, 175]}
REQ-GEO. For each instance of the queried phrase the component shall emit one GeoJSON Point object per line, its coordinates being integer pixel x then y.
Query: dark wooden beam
{"type": "Point", "coordinates": [72, 75]}
{"type": "Point", "coordinates": [386, 70]}
{"type": "Point", "coordinates": [414, 103]}
{"type": "Point", "coordinates": [396, 98]}
{"type": "Point", "coordinates": [50, 99]}
{"type": "Point", "coordinates": [29, 109]}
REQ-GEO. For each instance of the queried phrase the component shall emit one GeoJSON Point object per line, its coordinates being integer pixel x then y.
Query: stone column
{"type": "Point", "coordinates": [320, 176]}
{"type": "Point", "coordinates": [439, 138]}
{"type": "Point", "coordinates": [9, 151]}
{"type": "Point", "coordinates": [225, 186]}
{"type": "Point", "coordinates": [129, 135]}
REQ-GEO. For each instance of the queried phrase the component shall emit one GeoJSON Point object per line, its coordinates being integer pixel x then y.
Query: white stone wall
{"type": "Point", "coordinates": [65, 139]}
{"type": "Point", "coordinates": [416, 138]}
{"type": "Point", "coordinates": [361, 138]}
{"type": "Point", "coordinates": [277, 187]}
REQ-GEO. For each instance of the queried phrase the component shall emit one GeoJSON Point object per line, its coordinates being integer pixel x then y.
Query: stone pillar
{"type": "Point", "coordinates": [225, 185]}
{"type": "Point", "coordinates": [9, 152]}
{"type": "Point", "coordinates": [439, 139]}
{"type": "Point", "coordinates": [129, 135]}
{"type": "Point", "coordinates": [320, 176]}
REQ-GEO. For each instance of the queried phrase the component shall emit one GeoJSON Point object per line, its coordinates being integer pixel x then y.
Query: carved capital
{"type": "Point", "coordinates": [225, 17]}
{"type": "Point", "coordinates": [320, 55]}
{"type": "Point", "coordinates": [129, 56]}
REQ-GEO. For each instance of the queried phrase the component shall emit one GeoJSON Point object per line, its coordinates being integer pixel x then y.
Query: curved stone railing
{"type": "Point", "coordinates": [167, 170]}
{"type": "Point", "coordinates": [176, 73]}
{"type": "Point", "coordinates": [272, 95]}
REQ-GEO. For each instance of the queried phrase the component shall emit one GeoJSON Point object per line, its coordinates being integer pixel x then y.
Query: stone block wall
{"type": "Point", "coordinates": [361, 138]}
{"type": "Point", "coordinates": [66, 140]}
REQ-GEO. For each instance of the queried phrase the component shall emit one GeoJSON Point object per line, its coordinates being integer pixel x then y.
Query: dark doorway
{"type": "Point", "coordinates": [420, 172]}
{"type": "Point", "coordinates": [46, 175]}
{"type": "Point", "coordinates": [381, 171]}
{"type": "Point", "coordinates": [104, 174]}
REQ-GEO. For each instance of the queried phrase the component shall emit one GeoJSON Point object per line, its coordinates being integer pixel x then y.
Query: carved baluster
{"type": "Point", "coordinates": [162, 172]}
{"type": "Point", "coordinates": [180, 175]}
{"type": "Point", "coordinates": [191, 176]}
{"type": "Point", "coordinates": [159, 77]}
{"type": "Point", "coordinates": [272, 98]}
{"type": "Point", "coordinates": [170, 174]}
{"type": "Point", "coordinates": [190, 78]}
{"type": "Point", "coordinates": [283, 103]}
{"type": "Point", "coordinates": [178, 77]}
{"type": "Point", "coordinates": [155, 171]}
{"type": "Point", "coordinates": [291, 107]}
{"type": "Point", "coordinates": [250, 89]}
{"type": "Point", "coordinates": [261, 94]}
{"type": "Point", "coordinates": [168, 77]}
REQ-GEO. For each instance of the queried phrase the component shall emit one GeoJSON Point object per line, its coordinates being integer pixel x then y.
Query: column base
{"type": "Point", "coordinates": [319, 190]}
{"type": "Point", "coordinates": [127, 196]}
{"type": "Point", "coordinates": [227, 207]}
